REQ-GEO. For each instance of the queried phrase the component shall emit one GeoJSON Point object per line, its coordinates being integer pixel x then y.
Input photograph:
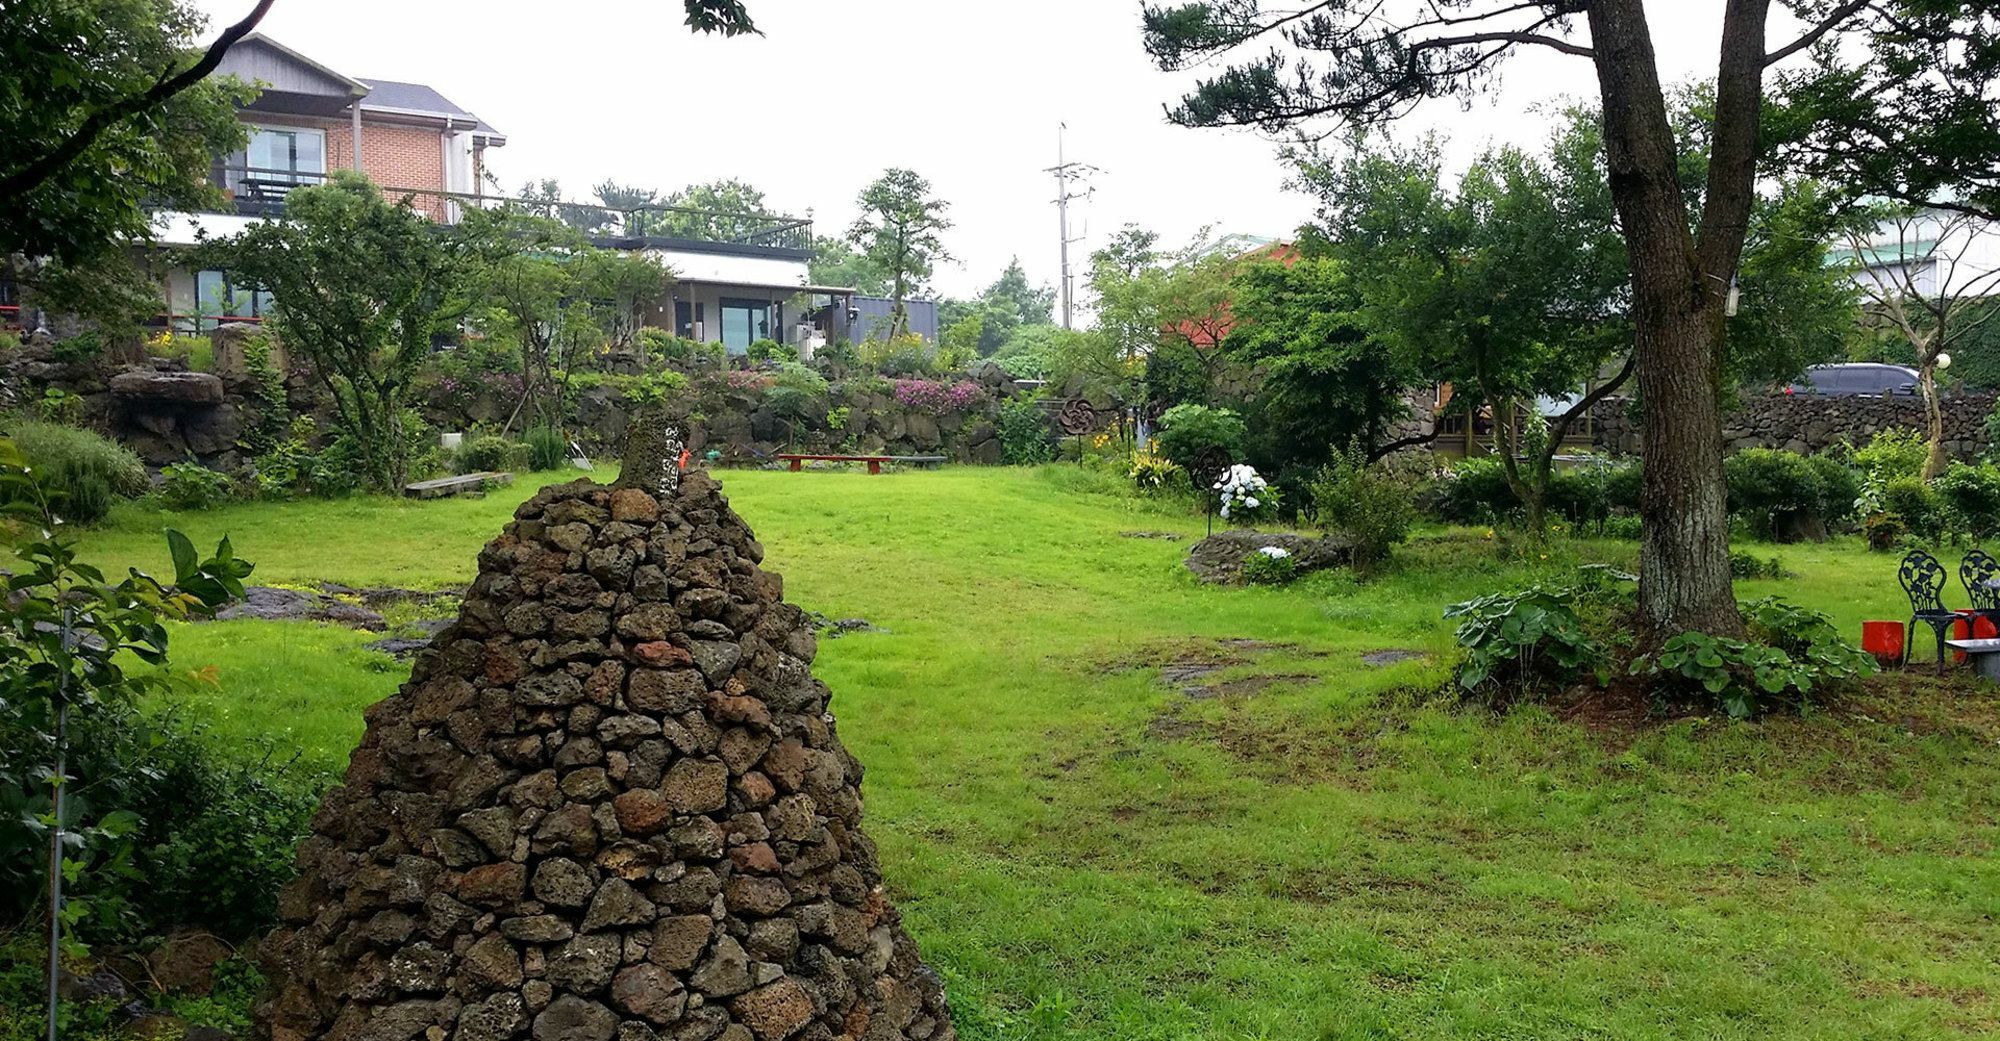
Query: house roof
{"type": "Point", "coordinates": [417, 99]}
{"type": "Point", "coordinates": [293, 81]}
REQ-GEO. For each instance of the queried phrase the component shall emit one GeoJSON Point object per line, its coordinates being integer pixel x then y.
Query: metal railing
{"type": "Point", "coordinates": [261, 191]}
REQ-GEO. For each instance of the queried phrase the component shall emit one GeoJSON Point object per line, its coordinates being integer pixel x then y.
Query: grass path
{"type": "Point", "coordinates": [1090, 853]}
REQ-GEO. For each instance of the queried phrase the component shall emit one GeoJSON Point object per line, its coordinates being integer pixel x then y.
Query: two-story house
{"type": "Point", "coordinates": [309, 120]}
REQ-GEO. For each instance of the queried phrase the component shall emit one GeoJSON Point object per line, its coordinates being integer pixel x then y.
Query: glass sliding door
{"type": "Point", "coordinates": [744, 322]}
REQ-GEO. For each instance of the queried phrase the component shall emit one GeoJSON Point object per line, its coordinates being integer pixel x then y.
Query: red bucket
{"type": "Point", "coordinates": [1884, 640]}
{"type": "Point", "coordinates": [1971, 626]}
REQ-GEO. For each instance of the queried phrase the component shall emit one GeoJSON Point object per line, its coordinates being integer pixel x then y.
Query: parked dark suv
{"type": "Point", "coordinates": [1855, 379]}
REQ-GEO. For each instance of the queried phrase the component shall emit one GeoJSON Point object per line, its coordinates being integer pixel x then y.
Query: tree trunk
{"type": "Point", "coordinates": [1677, 290]}
{"type": "Point", "coordinates": [1934, 460]}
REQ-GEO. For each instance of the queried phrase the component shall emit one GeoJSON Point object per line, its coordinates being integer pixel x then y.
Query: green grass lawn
{"type": "Point", "coordinates": [1321, 849]}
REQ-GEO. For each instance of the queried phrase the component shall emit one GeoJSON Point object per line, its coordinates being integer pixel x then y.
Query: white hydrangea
{"type": "Point", "coordinates": [1240, 487]}
{"type": "Point", "coordinates": [1274, 552]}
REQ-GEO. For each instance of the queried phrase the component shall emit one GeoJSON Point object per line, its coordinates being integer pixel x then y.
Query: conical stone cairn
{"type": "Point", "coordinates": [609, 803]}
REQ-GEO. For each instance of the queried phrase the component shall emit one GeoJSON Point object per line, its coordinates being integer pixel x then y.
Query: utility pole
{"type": "Point", "coordinates": [1067, 173]}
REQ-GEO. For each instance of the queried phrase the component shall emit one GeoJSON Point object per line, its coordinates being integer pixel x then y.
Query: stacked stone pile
{"type": "Point", "coordinates": [610, 803]}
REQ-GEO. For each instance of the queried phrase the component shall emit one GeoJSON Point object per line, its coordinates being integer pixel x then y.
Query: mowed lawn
{"type": "Point", "coordinates": [1304, 844]}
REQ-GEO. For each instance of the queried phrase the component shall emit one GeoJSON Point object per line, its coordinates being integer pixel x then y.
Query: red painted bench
{"type": "Point", "coordinates": [874, 461]}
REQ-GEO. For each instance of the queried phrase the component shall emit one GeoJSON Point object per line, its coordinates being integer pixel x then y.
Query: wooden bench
{"type": "Point", "coordinates": [799, 461]}
{"type": "Point", "coordinates": [440, 487]}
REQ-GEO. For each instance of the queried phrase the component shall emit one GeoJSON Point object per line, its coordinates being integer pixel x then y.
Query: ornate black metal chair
{"type": "Point", "coordinates": [1978, 572]}
{"type": "Point", "coordinates": [1923, 580]}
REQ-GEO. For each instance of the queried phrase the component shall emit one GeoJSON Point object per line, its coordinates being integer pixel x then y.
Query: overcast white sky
{"type": "Point", "coordinates": [967, 94]}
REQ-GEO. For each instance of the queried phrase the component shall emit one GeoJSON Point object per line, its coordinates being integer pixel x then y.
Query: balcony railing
{"type": "Point", "coordinates": [260, 192]}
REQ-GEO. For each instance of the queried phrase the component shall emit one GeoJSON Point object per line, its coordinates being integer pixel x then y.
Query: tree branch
{"type": "Point", "coordinates": [1536, 39]}
{"type": "Point", "coordinates": [1814, 35]}
{"type": "Point", "coordinates": [31, 176]}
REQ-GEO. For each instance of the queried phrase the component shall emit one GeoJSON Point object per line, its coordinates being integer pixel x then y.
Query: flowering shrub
{"type": "Point", "coordinates": [1245, 496]}
{"type": "Point", "coordinates": [1151, 472]}
{"type": "Point", "coordinates": [1270, 566]}
{"type": "Point", "coordinates": [936, 397]}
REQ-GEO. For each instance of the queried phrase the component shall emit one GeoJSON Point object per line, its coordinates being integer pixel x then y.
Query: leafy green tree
{"type": "Point", "coordinates": [1124, 277]}
{"type": "Point", "coordinates": [1881, 70]}
{"type": "Point", "coordinates": [899, 232]}
{"type": "Point", "coordinates": [560, 300]}
{"type": "Point", "coordinates": [1323, 380]}
{"type": "Point", "coordinates": [106, 110]}
{"type": "Point", "coordinates": [836, 262]}
{"type": "Point", "coordinates": [362, 287]}
{"type": "Point", "coordinates": [728, 210]}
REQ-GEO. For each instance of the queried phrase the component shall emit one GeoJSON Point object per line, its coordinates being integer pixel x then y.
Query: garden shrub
{"type": "Point", "coordinates": [1244, 497]}
{"type": "Point", "coordinates": [487, 452]}
{"type": "Point", "coordinates": [1152, 473]}
{"type": "Point", "coordinates": [1270, 566]}
{"type": "Point", "coordinates": [60, 406]}
{"type": "Point", "coordinates": [1885, 531]}
{"type": "Point", "coordinates": [1776, 491]}
{"type": "Point", "coordinates": [906, 355]}
{"type": "Point", "coordinates": [1474, 492]}
{"type": "Point", "coordinates": [937, 397]}
{"type": "Point", "coordinates": [85, 470]}
{"type": "Point", "coordinates": [1918, 505]}
{"type": "Point", "coordinates": [192, 486]}
{"type": "Point", "coordinates": [1970, 495]}
{"type": "Point", "coordinates": [1365, 504]}
{"type": "Point", "coordinates": [1189, 432]}
{"type": "Point", "coordinates": [1749, 565]}
{"type": "Point", "coordinates": [210, 839]}
{"type": "Point", "coordinates": [1024, 433]}
{"type": "Point", "coordinates": [1622, 485]}
{"type": "Point", "coordinates": [768, 350]}
{"type": "Point", "coordinates": [547, 448]}
{"type": "Point", "coordinates": [1892, 454]}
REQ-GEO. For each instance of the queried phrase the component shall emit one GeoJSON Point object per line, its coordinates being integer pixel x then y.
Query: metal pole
{"type": "Point", "coordinates": [56, 832]}
{"type": "Point", "coordinates": [1062, 221]}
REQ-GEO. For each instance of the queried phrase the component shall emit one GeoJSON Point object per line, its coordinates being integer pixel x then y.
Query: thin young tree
{"type": "Point", "coordinates": [1314, 67]}
{"type": "Point", "coordinates": [1921, 276]}
{"type": "Point", "coordinates": [899, 231]}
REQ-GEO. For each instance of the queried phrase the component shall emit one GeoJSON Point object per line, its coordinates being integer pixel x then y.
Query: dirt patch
{"type": "Point", "coordinates": [1391, 656]}
{"type": "Point", "coordinates": [1163, 536]}
{"type": "Point", "coordinates": [1248, 686]}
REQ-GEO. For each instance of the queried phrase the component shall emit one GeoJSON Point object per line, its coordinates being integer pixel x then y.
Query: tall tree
{"type": "Point", "coordinates": [1371, 61]}
{"type": "Point", "coordinates": [899, 231]}
{"type": "Point", "coordinates": [1925, 277]}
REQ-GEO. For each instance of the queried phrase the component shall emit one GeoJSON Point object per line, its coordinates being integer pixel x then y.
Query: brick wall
{"type": "Point", "coordinates": [391, 156]}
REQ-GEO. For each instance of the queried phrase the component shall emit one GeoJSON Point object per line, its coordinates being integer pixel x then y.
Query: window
{"type": "Point", "coordinates": [216, 298]}
{"type": "Point", "coordinates": [277, 156]}
{"type": "Point", "coordinates": [744, 322]}
{"type": "Point", "coordinates": [686, 316]}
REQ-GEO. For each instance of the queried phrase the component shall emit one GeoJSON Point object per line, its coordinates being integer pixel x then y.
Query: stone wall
{"type": "Point", "coordinates": [1809, 423]}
